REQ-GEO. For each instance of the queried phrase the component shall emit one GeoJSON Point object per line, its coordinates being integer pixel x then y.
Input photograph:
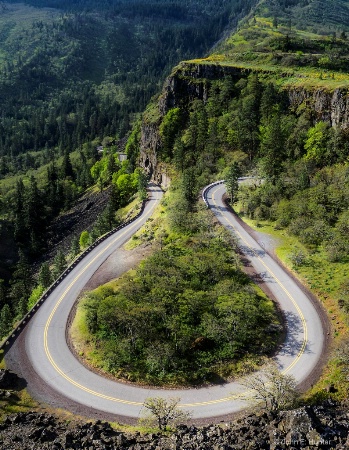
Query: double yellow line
{"type": "Point", "coordinates": [48, 323]}
{"type": "Point", "coordinates": [243, 395]}
{"type": "Point", "coordinates": [117, 400]}
{"type": "Point", "coordinates": [295, 304]}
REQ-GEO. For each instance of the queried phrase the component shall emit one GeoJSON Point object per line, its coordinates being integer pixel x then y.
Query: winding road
{"type": "Point", "coordinates": [51, 363]}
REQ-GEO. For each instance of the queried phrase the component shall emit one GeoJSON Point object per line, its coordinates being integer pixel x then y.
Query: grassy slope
{"type": "Point", "coordinates": [324, 279]}
{"type": "Point", "coordinates": [254, 46]}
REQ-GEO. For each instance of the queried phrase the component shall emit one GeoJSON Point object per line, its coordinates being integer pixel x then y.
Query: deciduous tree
{"type": "Point", "coordinates": [164, 412]}
{"type": "Point", "coordinates": [272, 388]}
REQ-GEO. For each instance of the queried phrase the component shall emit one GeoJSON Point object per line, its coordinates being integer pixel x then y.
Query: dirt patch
{"type": "Point", "coordinates": [82, 216]}
{"type": "Point", "coordinates": [117, 264]}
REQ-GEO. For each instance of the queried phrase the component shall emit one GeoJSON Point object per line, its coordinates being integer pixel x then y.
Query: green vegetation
{"type": "Point", "coordinates": [31, 209]}
{"type": "Point", "coordinates": [187, 314]}
{"type": "Point", "coordinates": [245, 124]}
{"type": "Point", "coordinates": [291, 42]}
{"type": "Point", "coordinates": [81, 72]}
{"type": "Point", "coordinates": [73, 77]}
{"type": "Point", "coordinates": [302, 159]}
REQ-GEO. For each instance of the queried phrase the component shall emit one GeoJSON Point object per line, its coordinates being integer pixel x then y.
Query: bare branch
{"type": "Point", "coordinates": [275, 389]}
{"type": "Point", "coordinates": [163, 412]}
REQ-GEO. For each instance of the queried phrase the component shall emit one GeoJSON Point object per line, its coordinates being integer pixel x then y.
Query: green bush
{"type": "Point", "coordinates": [187, 309]}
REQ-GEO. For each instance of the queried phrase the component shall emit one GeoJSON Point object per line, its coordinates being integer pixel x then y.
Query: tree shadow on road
{"type": "Point", "coordinates": [294, 343]}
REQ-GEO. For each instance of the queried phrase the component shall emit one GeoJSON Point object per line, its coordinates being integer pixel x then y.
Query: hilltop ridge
{"type": "Point", "coordinates": [288, 40]}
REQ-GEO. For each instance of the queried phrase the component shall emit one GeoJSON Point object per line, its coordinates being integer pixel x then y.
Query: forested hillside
{"type": "Point", "coordinates": [74, 76]}
{"type": "Point", "coordinates": [71, 77]}
{"type": "Point", "coordinates": [272, 101]}
{"type": "Point", "coordinates": [73, 80]}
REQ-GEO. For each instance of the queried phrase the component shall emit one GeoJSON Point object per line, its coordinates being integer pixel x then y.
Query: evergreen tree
{"type": "Point", "coordinates": [45, 277]}
{"type": "Point", "coordinates": [269, 99]}
{"type": "Point", "coordinates": [21, 282]}
{"type": "Point", "coordinates": [53, 197]}
{"type": "Point", "coordinates": [66, 167]}
{"type": "Point", "coordinates": [34, 216]}
{"type": "Point", "coordinates": [179, 154]}
{"type": "Point", "coordinates": [60, 264]}
{"type": "Point", "coordinates": [6, 319]}
{"type": "Point", "coordinates": [248, 116]}
{"type": "Point", "coordinates": [22, 307]}
{"type": "Point", "coordinates": [20, 232]}
{"type": "Point", "coordinates": [111, 167]}
{"type": "Point", "coordinates": [75, 247]}
{"type": "Point", "coordinates": [169, 130]}
{"type": "Point", "coordinates": [2, 293]}
{"type": "Point", "coordinates": [142, 184]}
{"type": "Point", "coordinates": [231, 181]}
{"type": "Point", "coordinates": [273, 145]}
{"type": "Point", "coordinates": [189, 186]}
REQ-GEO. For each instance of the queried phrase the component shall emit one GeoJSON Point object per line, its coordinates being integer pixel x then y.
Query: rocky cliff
{"type": "Point", "coordinates": [310, 427]}
{"type": "Point", "coordinates": [326, 105]}
{"type": "Point", "coordinates": [186, 83]}
{"type": "Point", "coordinates": [190, 81]}
{"type": "Point", "coordinates": [322, 427]}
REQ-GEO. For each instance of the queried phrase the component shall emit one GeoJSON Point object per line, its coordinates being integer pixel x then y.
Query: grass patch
{"type": "Point", "coordinates": [291, 58]}
{"type": "Point", "coordinates": [81, 338]}
{"type": "Point", "coordinates": [2, 360]}
{"type": "Point", "coordinates": [324, 279]}
{"type": "Point", "coordinates": [129, 211]}
{"type": "Point", "coordinates": [20, 401]}
{"type": "Point", "coordinates": [152, 229]}
{"type": "Point", "coordinates": [286, 78]}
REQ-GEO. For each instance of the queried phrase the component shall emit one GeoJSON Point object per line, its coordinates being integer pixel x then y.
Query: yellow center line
{"type": "Point", "coordinates": [117, 400]}
{"type": "Point", "coordinates": [244, 395]}
{"type": "Point", "coordinates": [295, 304]}
{"type": "Point", "coordinates": [47, 351]}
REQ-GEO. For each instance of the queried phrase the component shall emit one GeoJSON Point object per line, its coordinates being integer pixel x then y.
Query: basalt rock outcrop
{"type": "Point", "coordinates": [190, 81]}
{"type": "Point", "coordinates": [328, 106]}
{"type": "Point", "coordinates": [187, 83]}
{"type": "Point", "coordinates": [321, 427]}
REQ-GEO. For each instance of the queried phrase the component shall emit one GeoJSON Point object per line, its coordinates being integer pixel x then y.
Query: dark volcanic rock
{"type": "Point", "coordinates": [321, 427]}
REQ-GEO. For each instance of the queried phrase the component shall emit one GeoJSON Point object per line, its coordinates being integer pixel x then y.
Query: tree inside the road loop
{"type": "Point", "coordinates": [187, 314]}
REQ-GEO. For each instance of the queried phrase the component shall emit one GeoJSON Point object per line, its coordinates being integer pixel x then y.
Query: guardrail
{"type": "Point", "coordinates": [17, 330]}
{"type": "Point", "coordinates": [207, 188]}
{"type": "Point", "coordinates": [216, 183]}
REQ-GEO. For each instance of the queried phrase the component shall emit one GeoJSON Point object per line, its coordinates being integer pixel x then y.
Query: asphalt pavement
{"type": "Point", "coordinates": [52, 361]}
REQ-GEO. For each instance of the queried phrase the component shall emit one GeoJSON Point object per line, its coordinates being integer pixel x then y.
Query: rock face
{"type": "Point", "coordinates": [187, 83]}
{"type": "Point", "coordinates": [322, 427]}
{"type": "Point", "coordinates": [331, 107]}
{"type": "Point", "coordinates": [190, 81]}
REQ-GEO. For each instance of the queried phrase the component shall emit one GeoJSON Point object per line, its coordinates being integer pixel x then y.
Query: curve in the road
{"type": "Point", "coordinates": [53, 362]}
